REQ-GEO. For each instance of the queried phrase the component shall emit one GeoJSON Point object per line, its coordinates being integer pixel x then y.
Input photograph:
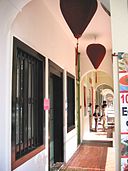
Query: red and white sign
{"type": "Point", "coordinates": [123, 90]}
{"type": "Point", "coordinates": [46, 104]}
{"type": "Point", "coordinates": [124, 111]}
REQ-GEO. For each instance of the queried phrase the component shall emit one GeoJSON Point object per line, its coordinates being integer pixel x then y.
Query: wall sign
{"type": "Point", "coordinates": [123, 90]}
{"type": "Point", "coordinates": [46, 104]}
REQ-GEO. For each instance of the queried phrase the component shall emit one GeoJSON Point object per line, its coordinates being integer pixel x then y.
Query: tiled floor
{"type": "Point", "coordinates": [101, 136]}
{"type": "Point", "coordinates": [110, 163]}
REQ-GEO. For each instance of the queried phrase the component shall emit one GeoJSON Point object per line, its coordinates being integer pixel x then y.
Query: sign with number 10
{"type": "Point", "coordinates": [123, 86]}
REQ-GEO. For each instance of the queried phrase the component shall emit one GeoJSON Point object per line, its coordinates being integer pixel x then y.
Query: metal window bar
{"type": "Point", "coordinates": [25, 112]}
{"type": "Point", "coordinates": [40, 103]}
{"type": "Point", "coordinates": [21, 105]}
{"type": "Point", "coordinates": [32, 102]}
{"type": "Point", "coordinates": [20, 99]}
{"type": "Point", "coordinates": [28, 103]}
{"type": "Point", "coordinates": [17, 115]}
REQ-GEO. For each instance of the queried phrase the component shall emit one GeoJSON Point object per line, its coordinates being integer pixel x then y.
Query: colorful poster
{"type": "Point", "coordinates": [123, 61]}
{"type": "Point", "coordinates": [124, 145]}
{"type": "Point", "coordinates": [123, 90]}
{"type": "Point", "coordinates": [124, 164]}
{"type": "Point", "coordinates": [123, 81]}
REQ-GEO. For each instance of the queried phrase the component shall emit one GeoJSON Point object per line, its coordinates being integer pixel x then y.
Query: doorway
{"type": "Point", "coordinates": [56, 152]}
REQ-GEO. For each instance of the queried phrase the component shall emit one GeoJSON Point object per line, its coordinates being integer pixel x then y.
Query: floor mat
{"type": "Point", "coordinates": [88, 158]}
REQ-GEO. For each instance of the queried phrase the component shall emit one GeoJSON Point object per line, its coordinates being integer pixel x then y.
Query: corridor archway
{"type": "Point", "coordinates": [92, 85]}
{"type": "Point", "coordinates": [104, 93]}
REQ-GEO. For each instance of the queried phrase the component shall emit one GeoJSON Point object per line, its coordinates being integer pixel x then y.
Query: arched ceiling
{"type": "Point", "coordinates": [98, 31]}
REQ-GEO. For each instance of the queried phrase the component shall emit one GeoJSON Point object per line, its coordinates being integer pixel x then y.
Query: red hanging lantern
{"type": "Point", "coordinates": [78, 14]}
{"type": "Point", "coordinates": [96, 53]}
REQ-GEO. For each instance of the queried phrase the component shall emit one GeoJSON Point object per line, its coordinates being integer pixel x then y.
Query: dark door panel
{"type": "Point", "coordinates": [56, 114]}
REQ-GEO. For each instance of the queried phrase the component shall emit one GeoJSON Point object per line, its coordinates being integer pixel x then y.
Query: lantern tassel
{"type": "Point", "coordinates": [77, 51]}
{"type": "Point", "coordinates": [96, 78]}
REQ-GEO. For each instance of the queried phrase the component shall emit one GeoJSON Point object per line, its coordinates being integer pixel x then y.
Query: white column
{"type": "Point", "coordinates": [119, 25]}
{"type": "Point", "coordinates": [117, 115]}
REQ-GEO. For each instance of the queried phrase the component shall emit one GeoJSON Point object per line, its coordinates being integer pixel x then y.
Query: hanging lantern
{"type": "Point", "coordinates": [96, 53]}
{"type": "Point", "coordinates": [78, 14]}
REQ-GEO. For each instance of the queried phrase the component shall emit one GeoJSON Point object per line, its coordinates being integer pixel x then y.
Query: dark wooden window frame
{"type": "Point", "coordinates": [30, 147]}
{"type": "Point", "coordinates": [70, 102]}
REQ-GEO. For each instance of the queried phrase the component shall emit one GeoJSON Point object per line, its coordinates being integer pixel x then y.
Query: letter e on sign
{"type": "Point", "coordinates": [46, 104]}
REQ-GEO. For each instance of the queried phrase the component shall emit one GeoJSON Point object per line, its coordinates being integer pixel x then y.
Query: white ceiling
{"type": "Point", "coordinates": [98, 30]}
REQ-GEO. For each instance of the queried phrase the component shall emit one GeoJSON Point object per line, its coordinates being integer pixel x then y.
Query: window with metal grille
{"type": "Point", "coordinates": [27, 103]}
{"type": "Point", "coordinates": [70, 102]}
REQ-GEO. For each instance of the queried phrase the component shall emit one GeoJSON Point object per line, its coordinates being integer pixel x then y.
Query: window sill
{"type": "Point", "coordinates": [28, 156]}
{"type": "Point", "coordinates": [70, 128]}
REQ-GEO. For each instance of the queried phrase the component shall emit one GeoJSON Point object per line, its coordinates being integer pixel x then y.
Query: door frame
{"type": "Point", "coordinates": [56, 70]}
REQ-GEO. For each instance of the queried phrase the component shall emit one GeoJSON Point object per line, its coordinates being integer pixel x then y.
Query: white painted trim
{"type": "Point", "coordinates": [46, 115]}
{"type": "Point", "coordinates": [117, 114]}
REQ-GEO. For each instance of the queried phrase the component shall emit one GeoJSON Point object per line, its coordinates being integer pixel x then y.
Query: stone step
{"type": "Point", "coordinates": [106, 143]}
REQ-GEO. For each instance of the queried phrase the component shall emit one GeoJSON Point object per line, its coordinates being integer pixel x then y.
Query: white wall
{"type": "Point", "coordinates": [35, 25]}
{"type": "Point", "coordinates": [7, 14]}
{"type": "Point", "coordinates": [36, 163]}
{"type": "Point", "coordinates": [119, 15]}
{"type": "Point", "coordinates": [70, 144]}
